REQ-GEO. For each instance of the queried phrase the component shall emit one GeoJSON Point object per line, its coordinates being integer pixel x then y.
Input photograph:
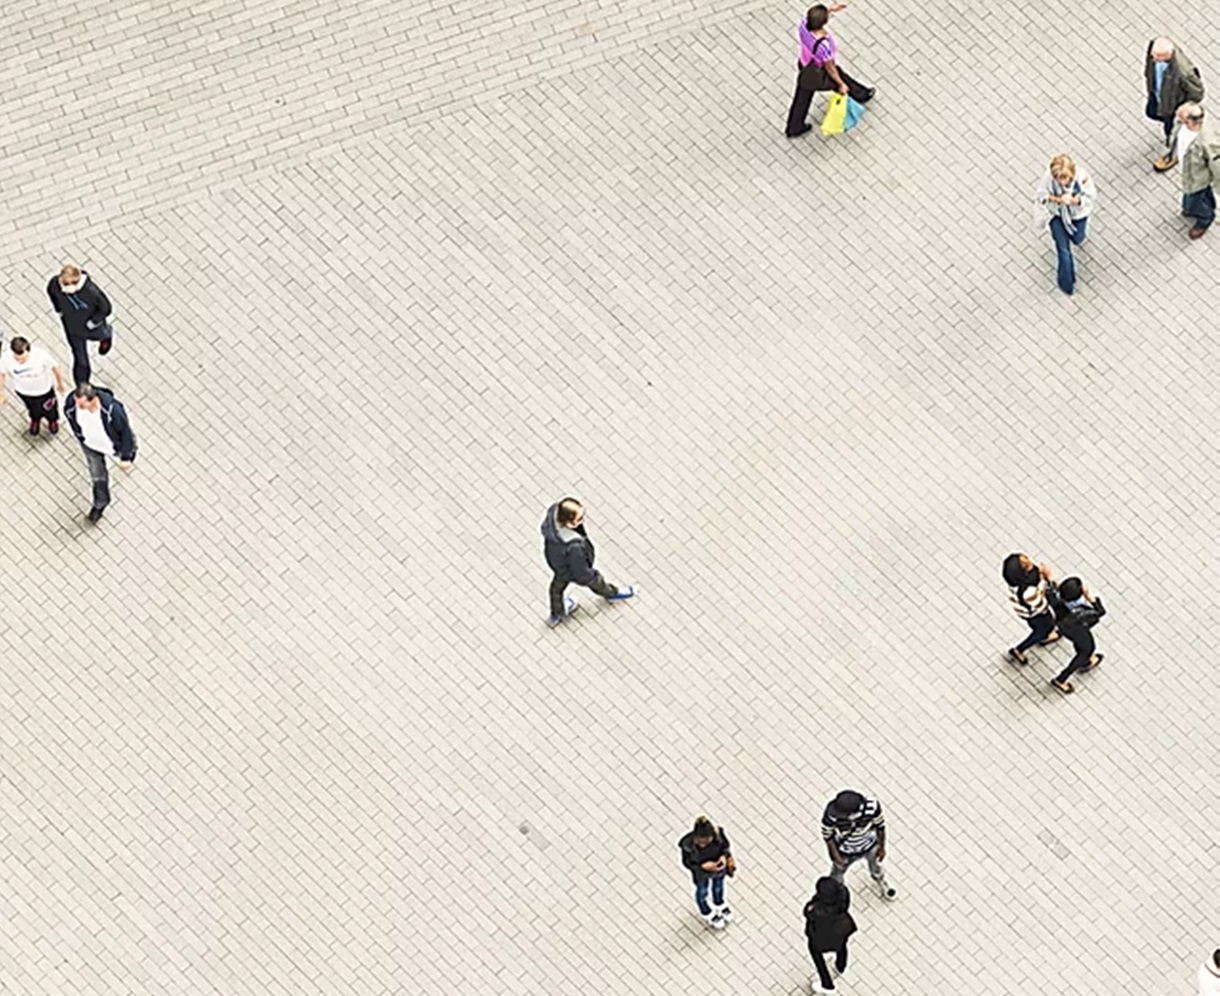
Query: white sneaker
{"type": "Point", "coordinates": [713, 919]}
{"type": "Point", "coordinates": [726, 914]}
{"type": "Point", "coordinates": [570, 604]}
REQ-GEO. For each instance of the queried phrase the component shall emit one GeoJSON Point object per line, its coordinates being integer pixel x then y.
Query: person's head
{"type": "Point", "coordinates": [69, 276]}
{"type": "Point", "coordinates": [1017, 568]}
{"type": "Point", "coordinates": [848, 804]}
{"type": "Point", "coordinates": [1191, 115]}
{"type": "Point", "coordinates": [1162, 50]}
{"type": "Point", "coordinates": [816, 18]}
{"type": "Point", "coordinates": [1216, 958]}
{"type": "Point", "coordinates": [20, 346]}
{"type": "Point", "coordinates": [825, 889]}
{"type": "Point", "coordinates": [704, 831]}
{"type": "Point", "coordinates": [1071, 589]}
{"type": "Point", "coordinates": [571, 513]}
{"type": "Point", "coordinates": [1063, 169]}
{"type": "Point", "coordinates": [86, 397]}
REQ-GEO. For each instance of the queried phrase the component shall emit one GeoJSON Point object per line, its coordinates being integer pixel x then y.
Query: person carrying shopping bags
{"type": "Point", "coordinates": [1027, 588]}
{"type": "Point", "coordinates": [1068, 196]}
{"type": "Point", "coordinates": [818, 68]}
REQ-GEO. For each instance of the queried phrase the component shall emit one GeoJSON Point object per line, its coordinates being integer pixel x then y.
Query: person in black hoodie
{"type": "Point", "coordinates": [828, 925]}
{"type": "Point", "coordinates": [707, 855]}
{"type": "Point", "coordinates": [1077, 611]}
{"type": "Point", "coordinates": [99, 422]}
{"type": "Point", "coordinates": [84, 308]}
{"type": "Point", "coordinates": [569, 554]}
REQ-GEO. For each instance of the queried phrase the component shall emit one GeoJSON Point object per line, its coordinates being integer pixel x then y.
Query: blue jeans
{"type": "Point", "coordinates": [1063, 247]}
{"type": "Point", "coordinates": [1201, 205]}
{"type": "Point", "coordinates": [701, 885]}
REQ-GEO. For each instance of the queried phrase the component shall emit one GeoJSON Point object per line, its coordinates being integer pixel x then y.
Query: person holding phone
{"type": "Point", "coordinates": [707, 855]}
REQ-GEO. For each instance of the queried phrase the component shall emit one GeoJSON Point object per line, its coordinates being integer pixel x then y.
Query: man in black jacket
{"type": "Point", "coordinates": [569, 554]}
{"type": "Point", "coordinates": [1077, 611]}
{"type": "Point", "coordinates": [100, 423]}
{"type": "Point", "coordinates": [84, 308]}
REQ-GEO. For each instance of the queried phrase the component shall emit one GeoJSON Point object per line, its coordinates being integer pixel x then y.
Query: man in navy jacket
{"type": "Point", "coordinates": [84, 309]}
{"type": "Point", "coordinates": [569, 554]}
{"type": "Point", "coordinates": [102, 428]}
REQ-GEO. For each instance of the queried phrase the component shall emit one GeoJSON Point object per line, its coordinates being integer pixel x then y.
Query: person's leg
{"type": "Point", "coordinates": [1040, 627]}
{"type": "Point", "coordinates": [1066, 273]}
{"type": "Point", "coordinates": [600, 586]}
{"type": "Point", "coordinates": [841, 958]}
{"type": "Point", "coordinates": [1201, 205]}
{"type": "Point", "coordinates": [701, 884]}
{"type": "Point", "coordinates": [1083, 644]}
{"type": "Point", "coordinates": [1151, 110]}
{"type": "Point", "coordinates": [1082, 231]}
{"type": "Point", "coordinates": [798, 113]}
{"type": "Point", "coordinates": [33, 407]}
{"type": "Point", "coordinates": [558, 587]}
{"type": "Point", "coordinates": [100, 477]}
{"type": "Point", "coordinates": [855, 89]}
{"type": "Point", "coordinates": [1167, 124]}
{"type": "Point", "coordinates": [82, 370]}
{"type": "Point", "coordinates": [878, 873]}
{"type": "Point", "coordinates": [819, 962]}
{"type": "Point", "coordinates": [718, 889]}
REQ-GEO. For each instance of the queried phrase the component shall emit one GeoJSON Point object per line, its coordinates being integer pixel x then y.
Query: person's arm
{"type": "Point", "coordinates": [126, 445]}
{"type": "Point", "coordinates": [1088, 195]}
{"type": "Point", "coordinates": [828, 835]}
{"type": "Point", "coordinates": [101, 310]}
{"type": "Point", "coordinates": [51, 295]}
{"type": "Point", "coordinates": [1043, 193]}
{"type": "Point", "coordinates": [833, 72]}
{"type": "Point", "coordinates": [730, 863]}
{"type": "Point", "coordinates": [59, 379]}
{"type": "Point", "coordinates": [1192, 82]}
{"type": "Point", "coordinates": [881, 843]}
{"type": "Point", "coordinates": [579, 569]}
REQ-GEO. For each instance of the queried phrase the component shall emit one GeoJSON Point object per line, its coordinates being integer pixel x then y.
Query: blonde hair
{"type": "Point", "coordinates": [1063, 166]}
{"type": "Point", "coordinates": [70, 274]}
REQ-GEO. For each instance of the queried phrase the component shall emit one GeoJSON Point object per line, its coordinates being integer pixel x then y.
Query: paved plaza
{"type": "Point", "coordinates": [390, 278]}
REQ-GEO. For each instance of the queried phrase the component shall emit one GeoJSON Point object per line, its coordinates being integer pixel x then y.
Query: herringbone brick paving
{"type": "Point", "coordinates": [288, 721]}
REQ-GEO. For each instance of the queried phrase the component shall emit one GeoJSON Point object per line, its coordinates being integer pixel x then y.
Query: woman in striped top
{"type": "Point", "coordinates": [1027, 583]}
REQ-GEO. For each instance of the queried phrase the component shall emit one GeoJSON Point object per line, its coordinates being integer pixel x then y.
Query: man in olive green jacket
{"type": "Point", "coordinates": [1200, 156]}
{"type": "Point", "coordinates": [1171, 80]}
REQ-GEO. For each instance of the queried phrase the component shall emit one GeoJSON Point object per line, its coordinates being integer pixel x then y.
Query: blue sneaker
{"type": "Point", "coordinates": [569, 606]}
{"type": "Point", "coordinates": [622, 594]}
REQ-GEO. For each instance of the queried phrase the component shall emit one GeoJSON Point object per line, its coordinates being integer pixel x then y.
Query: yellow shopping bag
{"type": "Point", "coordinates": [836, 115]}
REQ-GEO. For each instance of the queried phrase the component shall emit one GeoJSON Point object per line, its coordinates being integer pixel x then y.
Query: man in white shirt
{"type": "Point", "coordinates": [99, 422]}
{"type": "Point", "coordinates": [36, 381]}
{"type": "Point", "coordinates": [1199, 153]}
{"type": "Point", "coordinates": [1209, 975]}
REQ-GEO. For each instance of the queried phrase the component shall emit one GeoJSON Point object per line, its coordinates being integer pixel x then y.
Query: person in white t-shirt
{"type": "Point", "coordinates": [36, 381]}
{"type": "Point", "coordinates": [1209, 975]}
{"type": "Point", "coordinates": [99, 421]}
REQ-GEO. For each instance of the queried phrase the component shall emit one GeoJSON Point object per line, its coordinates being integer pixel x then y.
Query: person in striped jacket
{"type": "Point", "coordinates": [1027, 586]}
{"type": "Point", "coordinates": [853, 827]}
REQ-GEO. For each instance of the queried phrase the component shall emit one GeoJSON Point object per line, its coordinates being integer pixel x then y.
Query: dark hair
{"type": "Point", "coordinates": [703, 827]}
{"type": "Point", "coordinates": [1071, 589]}
{"type": "Point", "coordinates": [85, 392]}
{"type": "Point", "coordinates": [847, 802]}
{"type": "Point", "coordinates": [1216, 957]}
{"type": "Point", "coordinates": [569, 508]}
{"type": "Point", "coordinates": [20, 344]}
{"type": "Point", "coordinates": [1016, 576]}
{"type": "Point", "coordinates": [817, 17]}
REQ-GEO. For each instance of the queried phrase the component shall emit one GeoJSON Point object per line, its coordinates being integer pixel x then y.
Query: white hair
{"type": "Point", "coordinates": [1162, 46]}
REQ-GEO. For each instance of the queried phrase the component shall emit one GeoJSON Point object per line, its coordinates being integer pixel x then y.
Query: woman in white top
{"type": "Point", "coordinates": [1027, 584]}
{"type": "Point", "coordinates": [1068, 197]}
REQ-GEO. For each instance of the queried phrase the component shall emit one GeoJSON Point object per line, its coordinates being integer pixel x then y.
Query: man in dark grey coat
{"type": "Point", "coordinates": [569, 554]}
{"type": "Point", "coordinates": [1171, 80]}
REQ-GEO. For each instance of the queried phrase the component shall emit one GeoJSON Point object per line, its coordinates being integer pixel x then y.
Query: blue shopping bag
{"type": "Point", "coordinates": [855, 111]}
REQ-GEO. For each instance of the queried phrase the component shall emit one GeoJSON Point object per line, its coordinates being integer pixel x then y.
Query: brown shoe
{"type": "Point", "coordinates": [1197, 232]}
{"type": "Point", "coordinates": [1165, 163]}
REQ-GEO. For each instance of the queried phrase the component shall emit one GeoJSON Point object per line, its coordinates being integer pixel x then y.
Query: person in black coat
{"type": "Point", "coordinates": [828, 925]}
{"type": "Point", "coordinates": [708, 856]}
{"type": "Point", "coordinates": [1077, 611]}
{"type": "Point", "coordinates": [84, 309]}
{"type": "Point", "coordinates": [569, 554]}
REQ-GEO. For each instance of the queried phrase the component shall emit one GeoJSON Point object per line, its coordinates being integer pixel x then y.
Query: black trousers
{"type": "Point", "coordinates": [1151, 111]}
{"type": "Point", "coordinates": [599, 586]}
{"type": "Point", "coordinates": [1084, 645]}
{"type": "Point", "coordinates": [82, 369]}
{"type": "Point", "coordinates": [819, 962]}
{"type": "Point", "coordinates": [43, 406]}
{"type": "Point", "coordinates": [799, 111]}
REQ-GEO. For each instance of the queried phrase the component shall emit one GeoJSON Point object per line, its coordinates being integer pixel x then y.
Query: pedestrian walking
{"type": "Point", "coordinates": [817, 68]}
{"type": "Point", "coordinates": [1199, 153]}
{"type": "Point", "coordinates": [1209, 975]}
{"type": "Point", "coordinates": [853, 827]}
{"type": "Point", "coordinates": [1077, 611]}
{"type": "Point", "coordinates": [100, 424]}
{"type": "Point", "coordinates": [706, 853]}
{"type": "Point", "coordinates": [569, 554]}
{"type": "Point", "coordinates": [1171, 80]}
{"type": "Point", "coordinates": [84, 309]}
{"type": "Point", "coordinates": [1068, 195]}
{"type": "Point", "coordinates": [1027, 588]}
{"type": "Point", "coordinates": [828, 925]}
{"type": "Point", "coordinates": [36, 381]}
